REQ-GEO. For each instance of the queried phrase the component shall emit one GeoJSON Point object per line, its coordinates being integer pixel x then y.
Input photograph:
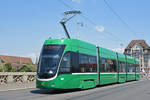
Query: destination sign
{"type": "Point", "coordinates": [50, 47]}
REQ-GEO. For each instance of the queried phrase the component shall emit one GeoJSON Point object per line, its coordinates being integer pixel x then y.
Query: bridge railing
{"type": "Point", "coordinates": [17, 77]}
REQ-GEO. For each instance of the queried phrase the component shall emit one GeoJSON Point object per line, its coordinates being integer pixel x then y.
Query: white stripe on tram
{"type": "Point", "coordinates": [122, 73]}
{"type": "Point", "coordinates": [96, 73]}
{"type": "Point", "coordinates": [108, 73]}
{"type": "Point", "coordinates": [82, 73]}
{"type": "Point", "coordinates": [131, 73]}
{"type": "Point", "coordinates": [47, 79]}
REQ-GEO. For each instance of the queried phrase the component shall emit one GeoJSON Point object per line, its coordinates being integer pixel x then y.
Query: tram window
{"type": "Point", "coordinates": [87, 63]}
{"type": "Point", "coordinates": [108, 65]}
{"type": "Point", "coordinates": [83, 63]}
{"type": "Point", "coordinates": [65, 64]}
{"type": "Point", "coordinates": [112, 65]}
{"type": "Point", "coordinates": [131, 67]}
{"type": "Point", "coordinates": [75, 62]}
{"type": "Point", "coordinates": [92, 64]}
{"type": "Point", "coordinates": [78, 63]}
{"type": "Point", "coordinates": [122, 67]}
{"type": "Point", "coordinates": [103, 65]}
{"type": "Point", "coordinates": [128, 67]}
{"type": "Point", "coordinates": [137, 68]}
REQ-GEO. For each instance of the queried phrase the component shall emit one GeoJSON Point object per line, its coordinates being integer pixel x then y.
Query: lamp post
{"type": "Point", "coordinates": [121, 46]}
{"type": "Point", "coordinates": [79, 24]}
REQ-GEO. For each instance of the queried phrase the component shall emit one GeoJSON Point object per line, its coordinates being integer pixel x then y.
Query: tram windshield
{"type": "Point", "coordinates": [49, 60]}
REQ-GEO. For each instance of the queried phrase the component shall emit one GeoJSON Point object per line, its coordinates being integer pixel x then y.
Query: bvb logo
{"type": "Point", "coordinates": [42, 84]}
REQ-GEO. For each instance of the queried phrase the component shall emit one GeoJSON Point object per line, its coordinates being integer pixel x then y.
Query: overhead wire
{"type": "Point", "coordinates": [115, 38]}
{"type": "Point", "coordinates": [120, 18]}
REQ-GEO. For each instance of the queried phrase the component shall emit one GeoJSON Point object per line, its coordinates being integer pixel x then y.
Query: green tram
{"type": "Point", "coordinates": [75, 64]}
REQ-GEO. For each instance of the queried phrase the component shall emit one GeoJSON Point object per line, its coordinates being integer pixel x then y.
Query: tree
{"type": "Point", "coordinates": [28, 68]}
{"type": "Point", "coordinates": [25, 68]}
{"type": "Point", "coordinates": [1, 70]}
{"type": "Point", "coordinates": [13, 70]}
{"type": "Point", "coordinates": [32, 67]}
{"type": "Point", "coordinates": [8, 67]}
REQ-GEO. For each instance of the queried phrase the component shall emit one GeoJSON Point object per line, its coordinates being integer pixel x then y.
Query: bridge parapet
{"type": "Point", "coordinates": [17, 77]}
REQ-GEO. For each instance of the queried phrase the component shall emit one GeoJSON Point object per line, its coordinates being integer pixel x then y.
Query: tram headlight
{"type": "Point", "coordinates": [51, 72]}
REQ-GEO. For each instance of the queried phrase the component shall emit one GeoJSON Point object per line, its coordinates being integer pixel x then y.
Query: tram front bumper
{"type": "Point", "coordinates": [45, 84]}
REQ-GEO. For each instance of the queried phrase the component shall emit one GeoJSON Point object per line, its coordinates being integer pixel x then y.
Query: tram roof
{"type": "Point", "coordinates": [72, 42]}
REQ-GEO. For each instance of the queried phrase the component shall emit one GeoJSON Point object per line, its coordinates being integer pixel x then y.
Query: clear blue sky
{"type": "Point", "coordinates": [26, 24]}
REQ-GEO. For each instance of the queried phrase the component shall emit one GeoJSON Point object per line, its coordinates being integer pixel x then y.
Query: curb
{"type": "Point", "coordinates": [17, 89]}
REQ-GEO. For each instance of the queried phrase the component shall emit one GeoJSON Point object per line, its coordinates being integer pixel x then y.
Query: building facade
{"type": "Point", "coordinates": [141, 50]}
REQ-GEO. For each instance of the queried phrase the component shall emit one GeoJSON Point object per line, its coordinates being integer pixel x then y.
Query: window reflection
{"type": "Point", "coordinates": [108, 65]}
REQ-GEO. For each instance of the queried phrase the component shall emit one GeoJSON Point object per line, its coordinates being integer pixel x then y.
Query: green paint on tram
{"type": "Point", "coordinates": [73, 64]}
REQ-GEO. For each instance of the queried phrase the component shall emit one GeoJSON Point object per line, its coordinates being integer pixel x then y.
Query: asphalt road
{"type": "Point", "coordinates": [136, 90]}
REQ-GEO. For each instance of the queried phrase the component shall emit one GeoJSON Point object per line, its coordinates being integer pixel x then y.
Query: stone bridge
{"type": "Point", "coordinates": [17, 77]}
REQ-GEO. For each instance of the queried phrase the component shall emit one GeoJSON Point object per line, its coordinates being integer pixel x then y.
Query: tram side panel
{"type": "Point", "coordinates": [130, 68]}
{"type": "Point", "coordinates": [108, 66]}
{"type": "Point", "coordinates": [87, 68]}
{"type": "Point", "coordinates": [121, 68]}
{"type": "Point", "coordinates": [137, 70]}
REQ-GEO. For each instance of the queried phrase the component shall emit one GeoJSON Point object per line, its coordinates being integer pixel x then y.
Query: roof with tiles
{"type": "Point", "coordinates": [15, 59]}
{"type": "Point", "coordinates": [140, 42]}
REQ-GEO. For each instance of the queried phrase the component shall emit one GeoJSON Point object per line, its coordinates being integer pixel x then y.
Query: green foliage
{"type": "Point", "coordinates": [8, 67]}
{"type": "Point", "coordinates": [13, 70]}
{"type": "Point", "coordinates": [1, 70]}
{"type": "Point", "coordinates": [27, 68]}
{"type": "Point", "coordinates": [33, 67]}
